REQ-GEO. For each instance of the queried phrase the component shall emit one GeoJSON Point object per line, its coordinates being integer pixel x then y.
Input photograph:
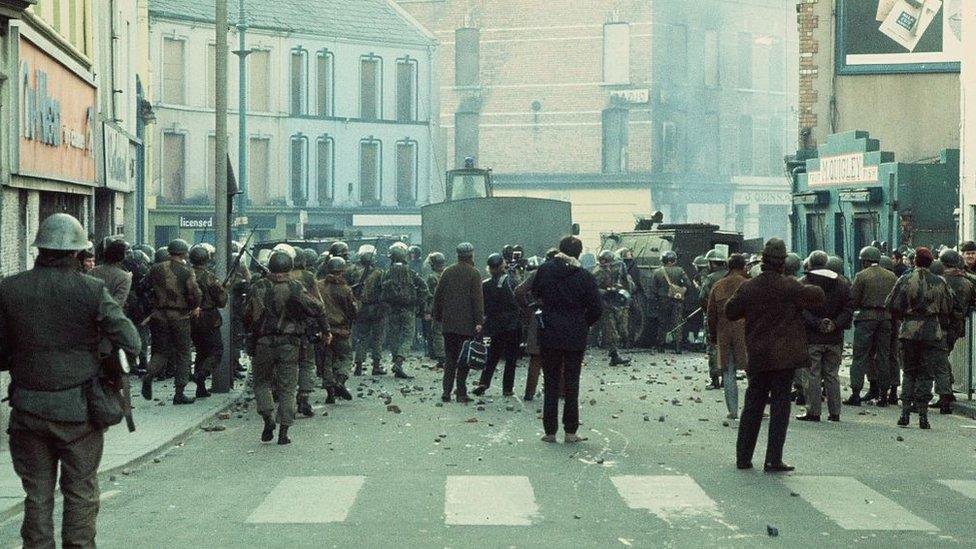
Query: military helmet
{"type": "Point", "coordinates": [115, 251]}
{"type": "Point", "coordinates": [311, 256]}
{"type": "Point", "coordinates": [465, 249]}
{"type": "Point", "coordinates": [336, 265]}
{"type": "Point", "coordinates": [716, 256]}
{"type": "Point", "coordinates": [280, 262]}
{"type": "Point", "coordinates": [146, 249]}
{"type": "Point", "coordinates": [700, 262]}
{"type": "Point", "coordinates": [605, 255]}
{"type": "Point", "coordinates": [339, 249]}
{"type": "Point", "coordinates": [669, 257]}
{"type": "Point", "coordinates": [495, 261]}
{"type": "Point", "coordinates": [870, 254]}
{"type": "Point", "coordinates": [937, 267]}
{"type": "Point", "coordinates": [818, 259]}
{"type": "Point", "coordinates": [415, 252]}
{"type": "Point", "coordinates": [436, 260]}
{"type": "Point", "coordinates": [178, 247]}
{"type": "Point", "coordinates": [61, 231]}
{"type": "Point", "coordinates": [836, 264]}
{"type": "Point", "coordinates": [887, 263]}
{"type": "Point", "coordinates": [161, 255]}
{"type": "Point", "coordinates": [287, 248]}
{"type": "Point", "coordinates": [140, 257]}
{"type": "Point", "coordinates": [235, 247]}
{"type": "Point", "coordinates": [199, 255]}
{"type": "Point", "coordinates": [298, 262]}
{"type": "Point", "coordinates": [622, 252]}
{"type": "Point", "coordinates": [950, 258]}
{"type": "Point", "coordinates": [398, 253]}
{"type": "Point", "coordinates": [508, 251]}
{"type": "Point", "coordinates": [366, 254]}
{"type": "Point", "coordinates": [793, 264]}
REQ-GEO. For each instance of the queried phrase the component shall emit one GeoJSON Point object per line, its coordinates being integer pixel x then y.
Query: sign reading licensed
{"type": "Point", "coordinates": [842, 170]}
{"type": "Point", "coordinates": [57, 115]}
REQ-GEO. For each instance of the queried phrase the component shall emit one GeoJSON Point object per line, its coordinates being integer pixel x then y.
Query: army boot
{"type": "Point", "coordinates": [872, 393]}
{"type": "Point", "coordinates": [358, 370]}
{"type": "Point", "coordinates": [331, 398]}
{"type": "Point", "coordinates": [617, 360]}
{"type": "Point", "coordinates": [179, 398]}
{"type": "Point", "coordinates": [269, 428]}
{"type": "Point", "coordinates": [893, 395]}
{"type": "Point", "coordinates": [854, 399]}
{"type": "Point", "coordinates": [377, 369]}
{"type": "Point", "coordinates": [283, 435]}
{"type": "Point", "coordinates": [905, 418]}
{"type": "Point", "coordinates": [341, 390]}
{"type": "Point", "coordinates": [923, 419]}
{"type": "Point", "coordinates": [945, 405]}
{"type": "Point", "coordinates": [714, 384]}
{"type": "Point", "coordinates": [304, 407]}
{"type": "Point", "coordinates": [201, 383]}
{"type": "Point", "coordinates": [398, 369]}
{"type": "Point", "coordinates": [147, 387]}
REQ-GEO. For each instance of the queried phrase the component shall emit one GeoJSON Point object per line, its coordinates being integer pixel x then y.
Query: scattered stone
{"type": "Point", "coordinates": [126, 472]}
{"type": "Point", "coordinates": [794, 494]}
{"type": "Point", "coordinates": [660, 419]}
{"type": "Point", "coordinates": [480, 408]}
{"type": "Point", "coordinates": [703, 419]}
{"type": "Point", "coordinates": [223, 415]}
{"type": "Point", "coordinates": [592, 402]}
{"type": "Point", "coordinates": [112, 478]}
{"type": "Point", "coordinates": [157, 460]}
{"type": "Point", "coordinates": [471, 420]}
{"type": "Point", "coordinates": [393, 408]}
{"type": "Point", "coordinates": [725, 424]}
{"type": "Point", "coordinates": [900, 438]}
{"type": "Point", "coordinates": [772, 531]}
{"type": "Point", "coordinates": [439, 404]}
{"type": "Point", "coordinates": [510, 408]}
{"type": "Point", "coordinates": [577, 517]}
{"type": "Point", "coordinates": [647, 418]}
{"type": "Point", "coordinates": [615, 416]}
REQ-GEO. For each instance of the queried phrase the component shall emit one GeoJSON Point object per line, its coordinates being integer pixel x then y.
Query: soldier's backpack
{"type": "Point", "coordinates": [397, 286]}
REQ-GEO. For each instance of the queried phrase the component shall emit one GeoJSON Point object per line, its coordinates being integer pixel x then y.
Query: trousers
{"type": "Point", "coordinates": [275, 371]}
{"type": "Point", "coordinates": [532, 377]}
{"type": "Point", "coordinates": [773, 385]}
{"type": "Point", "coordinates": [943, 374]}
{"type": "Point", "coordinates": [337, 363]}
{"type": "Point", "coordinates": [872, 353]}
{"type": "Point", "coordinates": [209, 347]}
{"type": "Point", "coordinates": [171, 345]}
{"type": "Point", "coordinates": [503, 345]}
{"type": "Point", "coordinates": [920, 359]}
{"type": "Point", "coordinates": [824, 366]}
{"type": "Point", "coordinates": [40, 449]}
{"type": "Point", "coordinates": [368, 340]}
{"type": "Point", "coordinates": [562, 376]}
{"type": "Point", "coordinates": [454, 372]}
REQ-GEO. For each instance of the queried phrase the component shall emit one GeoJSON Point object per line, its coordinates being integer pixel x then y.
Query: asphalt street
{"type": "Point", "coordinates": [657, 470]}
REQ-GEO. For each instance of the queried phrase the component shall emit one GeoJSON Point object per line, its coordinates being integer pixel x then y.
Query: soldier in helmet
{"type": "Point", "coordinates": [872, 329]}
{"type": "Point", "coordinates": [337, 249]}
{"type": "Point", "coordinates": [404, 296]}
{"type": "Point", "coordinates": [205, 328]}
{"type": "Point", "coordinates": [717, 269]}
{"type": "Point", "coordinates": [701, 270]}
{"type": "Point", "coordinates": [340, 310]}
{"type": "Point", "coordinates": [48, 349]}
{"type": "Point", "coordinates": [240, 281]}
{"type": "Point", "coordinates": [793, 265]}
{"type": "Point", "coordinates": [306, 364]}
{"type": "Point", "coordinates": [161, 255]}
{"type": "Point", "coordinates": [922, 302]}
{"type": "Point", "coordinates": [311, 258]}
{"type": "Point", "coordinates": [669, 285]}
{"type": "Point", "coordinates": [370, 322]}
{"type": "Point", "coordinates": [964, 300]}
{"type": "Point", "coordinates": [611, 278]}
{"type": "Point", "coordinates": [116, 279]}
{"type": "Point", "coordinates": [435, 332]}
{"type": "Point", "coordinates": [416, 259]}
{"type": "Point", "coordinates": [176, 300]}
{"type": "Point", "coordinates": [279, 315]}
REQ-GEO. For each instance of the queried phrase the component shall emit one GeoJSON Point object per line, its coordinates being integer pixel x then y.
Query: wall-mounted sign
{"type": "Point", "coordinates": [206, 221]}
{"type": "Point", "coordinates": [120, 159]}
{"type": "Point", "coordinates": [196, 221]}
{"type": "Point", "coordinates": [57, 116]}
{"type": "Point", "coordinates": [843, 169]}
{"type": "Point", "coordinates": [892, 36]}
{"type": "Point", "coordinates": [860, 195]}
{"type": "Point", "coordinates": [636, 96]}
{"type": "Point", "coordinates": [818, 198]}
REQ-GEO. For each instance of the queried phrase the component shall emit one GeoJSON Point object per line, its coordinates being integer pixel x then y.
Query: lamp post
{"type": "Point", "coordinates": [222, 379]}
{"type": "Point", "coordinates": [242, 153]}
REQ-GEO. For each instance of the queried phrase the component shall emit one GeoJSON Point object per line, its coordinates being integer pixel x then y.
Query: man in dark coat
{"type": "Point", "coordinates": [459, 305]}
{"type": "Point", "coordinates": [51, 352]}
{"type": "Point", "coordinates": [570, 305]}
{"type": "Point", "coordinates": [502, 325]}
{"type": "Point", "coordinates": [771, 305]}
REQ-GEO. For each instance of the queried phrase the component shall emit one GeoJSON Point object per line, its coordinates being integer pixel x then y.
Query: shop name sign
{"type": "Point", "coordinates": [196, 222]}
{"type": "Point", "coordinates": [636, 96]}
{"type": "Point", "coordinates": [843, 170]}
{"type": "Point", "coordinates": [41, 114]}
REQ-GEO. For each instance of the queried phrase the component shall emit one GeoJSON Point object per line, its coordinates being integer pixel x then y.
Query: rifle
{"type": "Point", "coordinates": [237, 260]}
{"type": "Point", "coordinates": [685, 321]}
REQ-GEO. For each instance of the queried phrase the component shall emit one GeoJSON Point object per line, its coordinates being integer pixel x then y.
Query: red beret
{"type": "Point", "coordinates": [923, 257]}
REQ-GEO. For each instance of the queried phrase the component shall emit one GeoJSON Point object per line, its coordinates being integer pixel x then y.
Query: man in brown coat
{"type": "Point", "coordinates": [340, 310]}
{"type": "Point", "coordinates": [459, 306]}
{"type": "Point", "coordinates": [728, 338]}
{"type": "Point", "coordinates": [776, 340]}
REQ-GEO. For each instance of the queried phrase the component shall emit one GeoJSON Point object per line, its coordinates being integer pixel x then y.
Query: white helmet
{"type": "Point", "coordinates": [287, 248]}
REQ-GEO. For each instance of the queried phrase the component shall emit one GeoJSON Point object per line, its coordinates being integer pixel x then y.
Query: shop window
{"type": "Point", "coordinates": [258, 89]}
{"type": "Point", "coordinates": [325, 83]}
{"type": "Point", "coordinates": [866, 227]}
{"type": "Point", "coordinates": [325, 169]}
{"type": "Point", "coordinates": [299, 170]}
{"type": "Point", "coordinates": [174, 168]}
{"type": "Point", "coordinates": [744, 54]}
{"type": "Point", "coordinates": [406, 90]}
{"type": "Point", "coordinates": [258, 182]}
{"type": "Point", "coordinates": [777, 66]}
{"type": "Point", "coordinates": [711, 65]}
{"type": "Point", "coordinates": [816, 232]}
{"type": "Point", "coordinates": [671, 149]}
{"type": "Point", "coordinates": [407, 160]}
{"type": "Point", "coordinates": [299, 82]}
{"type": "Point", "coordinates": [370, 171]}
{"type": "Point", "coordinates": [616, 53]}
{"type": "Point", "coordinates": [616, 122]}
{"type": "Point", "coordinates": [370, 88]}
{"type": "Point", "coordinates": [173, 71]}
{"type": "Point", "coordinates": [677, 53]}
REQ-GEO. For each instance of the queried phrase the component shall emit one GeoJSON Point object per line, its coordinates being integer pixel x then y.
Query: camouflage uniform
{"type": "Point", "coordinates": [205, 329]}
{"type": "Point", "coordinates": [714, 369]}
{"type": "Point", "coordinates": [670, 311]}
{"type": "Point", "coordinates": [306, 364]}
{"type": "Point", "coordinates": [340, 310]}
{"type": "Point", "coordinates": [239, 283]}
{"type": "Point", "coordinates": [964, 300]}
{"type": "Point", "coordinates": [923, 303]}
{"type": "Point", "coordinates": [872, 328]}
{"type": "Point", "coordinates": [402, 313]}
{"type": "Point", "coordinates": [436, 333]}
{"type": "Point", "coordinates": [614, 322]}
{"type": "Point", "coordinates": [175, 296]}
{"type": "Point", "coordinates": [370, 322]}
{"type": "Point", "coordinates": [278, 316]}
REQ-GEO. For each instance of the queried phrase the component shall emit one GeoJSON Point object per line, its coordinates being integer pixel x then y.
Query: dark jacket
{"type": "Point", "coordinates": [51, 320]}
{"type": "Point", "coordinates": [837, 307]}
{"type": "Point", "coordinates": [459, 303]}
{"type": "Point", "coordinates": [501, 309]}
{"type": "Point", "coordinates": [117, 280]}
{"type": "Point", "coordinates": [570, 303]}
{"type": "Point", "coordinates": [771, 304]}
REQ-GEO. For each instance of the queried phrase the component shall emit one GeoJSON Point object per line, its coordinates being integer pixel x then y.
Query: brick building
{"type": "Point", "coordinates": [623, 107]}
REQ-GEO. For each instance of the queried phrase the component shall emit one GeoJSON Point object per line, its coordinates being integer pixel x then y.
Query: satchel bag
{"type": "Point", "coordinates": [104, 403]}
{"type": "Point", "coordinates": [675, 292]}
{"type": "Point", "coordinates": [474, 354]}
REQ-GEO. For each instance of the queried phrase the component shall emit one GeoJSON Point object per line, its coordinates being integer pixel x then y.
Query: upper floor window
{"type": "Point", "coordinates": [298, 71]}
{"type": "Point", "coordinates": [174, 51]}
{"type": "Point", "coordinates": [325, 169]}
{"type": "Point", "coordinates": [407, 164]}
{"type": "Point", "coordinates": [258, 182]}
{"type": "Point", "coordinates": [259, 78]}
{"type": "Point", "coordinates": [671, 147]}
{"type": "Point", "coordinates": [370, 87]}
{"type": "Point", "coordinates": [370, 171]}
{"type": "Point", "coordinates": [616, 122]}
{"type": "Point", "coordinates": [745, 145]}
{"type": "Point", "coordinates": [325, 83]}
{"type": "Point", "coordinates": [173, 177]}
{"type": "Point", "coordinates": [616, 53]}
{"type": "Point", "coordinates": [745, 59]}
{"type": "Point", "coordinates": [710, 72]}
{"type": "Point", "coordinates": [406, 89]}
{"type": "Point", "coordinates": [677, 53]}
{"type": "Point", "coordinates": [299, 170]}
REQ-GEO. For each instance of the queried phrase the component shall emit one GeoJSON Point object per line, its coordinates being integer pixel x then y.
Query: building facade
{"type": "Point", "coordinates": [623, 107]}
{"type": "Point", "coordinates": [967, 179]}
{"type": "Point", "coordinates": [339, 103]}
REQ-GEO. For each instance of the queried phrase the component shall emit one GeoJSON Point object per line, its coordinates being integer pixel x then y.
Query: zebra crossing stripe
{"type": "Point", "coordinates": [669, 497]}
{"type": "Point", "coordinates": [853, 505]}
{"type": "Point", "coordinates": [964, 487]}
{"type": "Point", "coordinates": [489, 501]}
{"type": "Point", "coordinates": [308, 500]}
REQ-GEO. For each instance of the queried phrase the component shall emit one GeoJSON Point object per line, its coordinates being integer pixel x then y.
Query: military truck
{"type": "Point", "coordinates": [471, 213]}
{"type": "Point", "coordinates": [649, 240]}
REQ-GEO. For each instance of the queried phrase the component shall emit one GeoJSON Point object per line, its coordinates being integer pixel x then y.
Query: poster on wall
{"type": "Point", "coordinates": [898, 36]}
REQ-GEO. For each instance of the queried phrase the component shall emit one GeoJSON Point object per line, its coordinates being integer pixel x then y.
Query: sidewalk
{"type": "Point", "coordinates": [158, 424]}
{"type": "Point", "coordinates": [961, 406]}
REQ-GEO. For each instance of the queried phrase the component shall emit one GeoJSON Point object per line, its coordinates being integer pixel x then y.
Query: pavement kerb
{"type": "Point", "coordinates": [965, 408]}
{"type": "Point", "coordinates": [139, 460]}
